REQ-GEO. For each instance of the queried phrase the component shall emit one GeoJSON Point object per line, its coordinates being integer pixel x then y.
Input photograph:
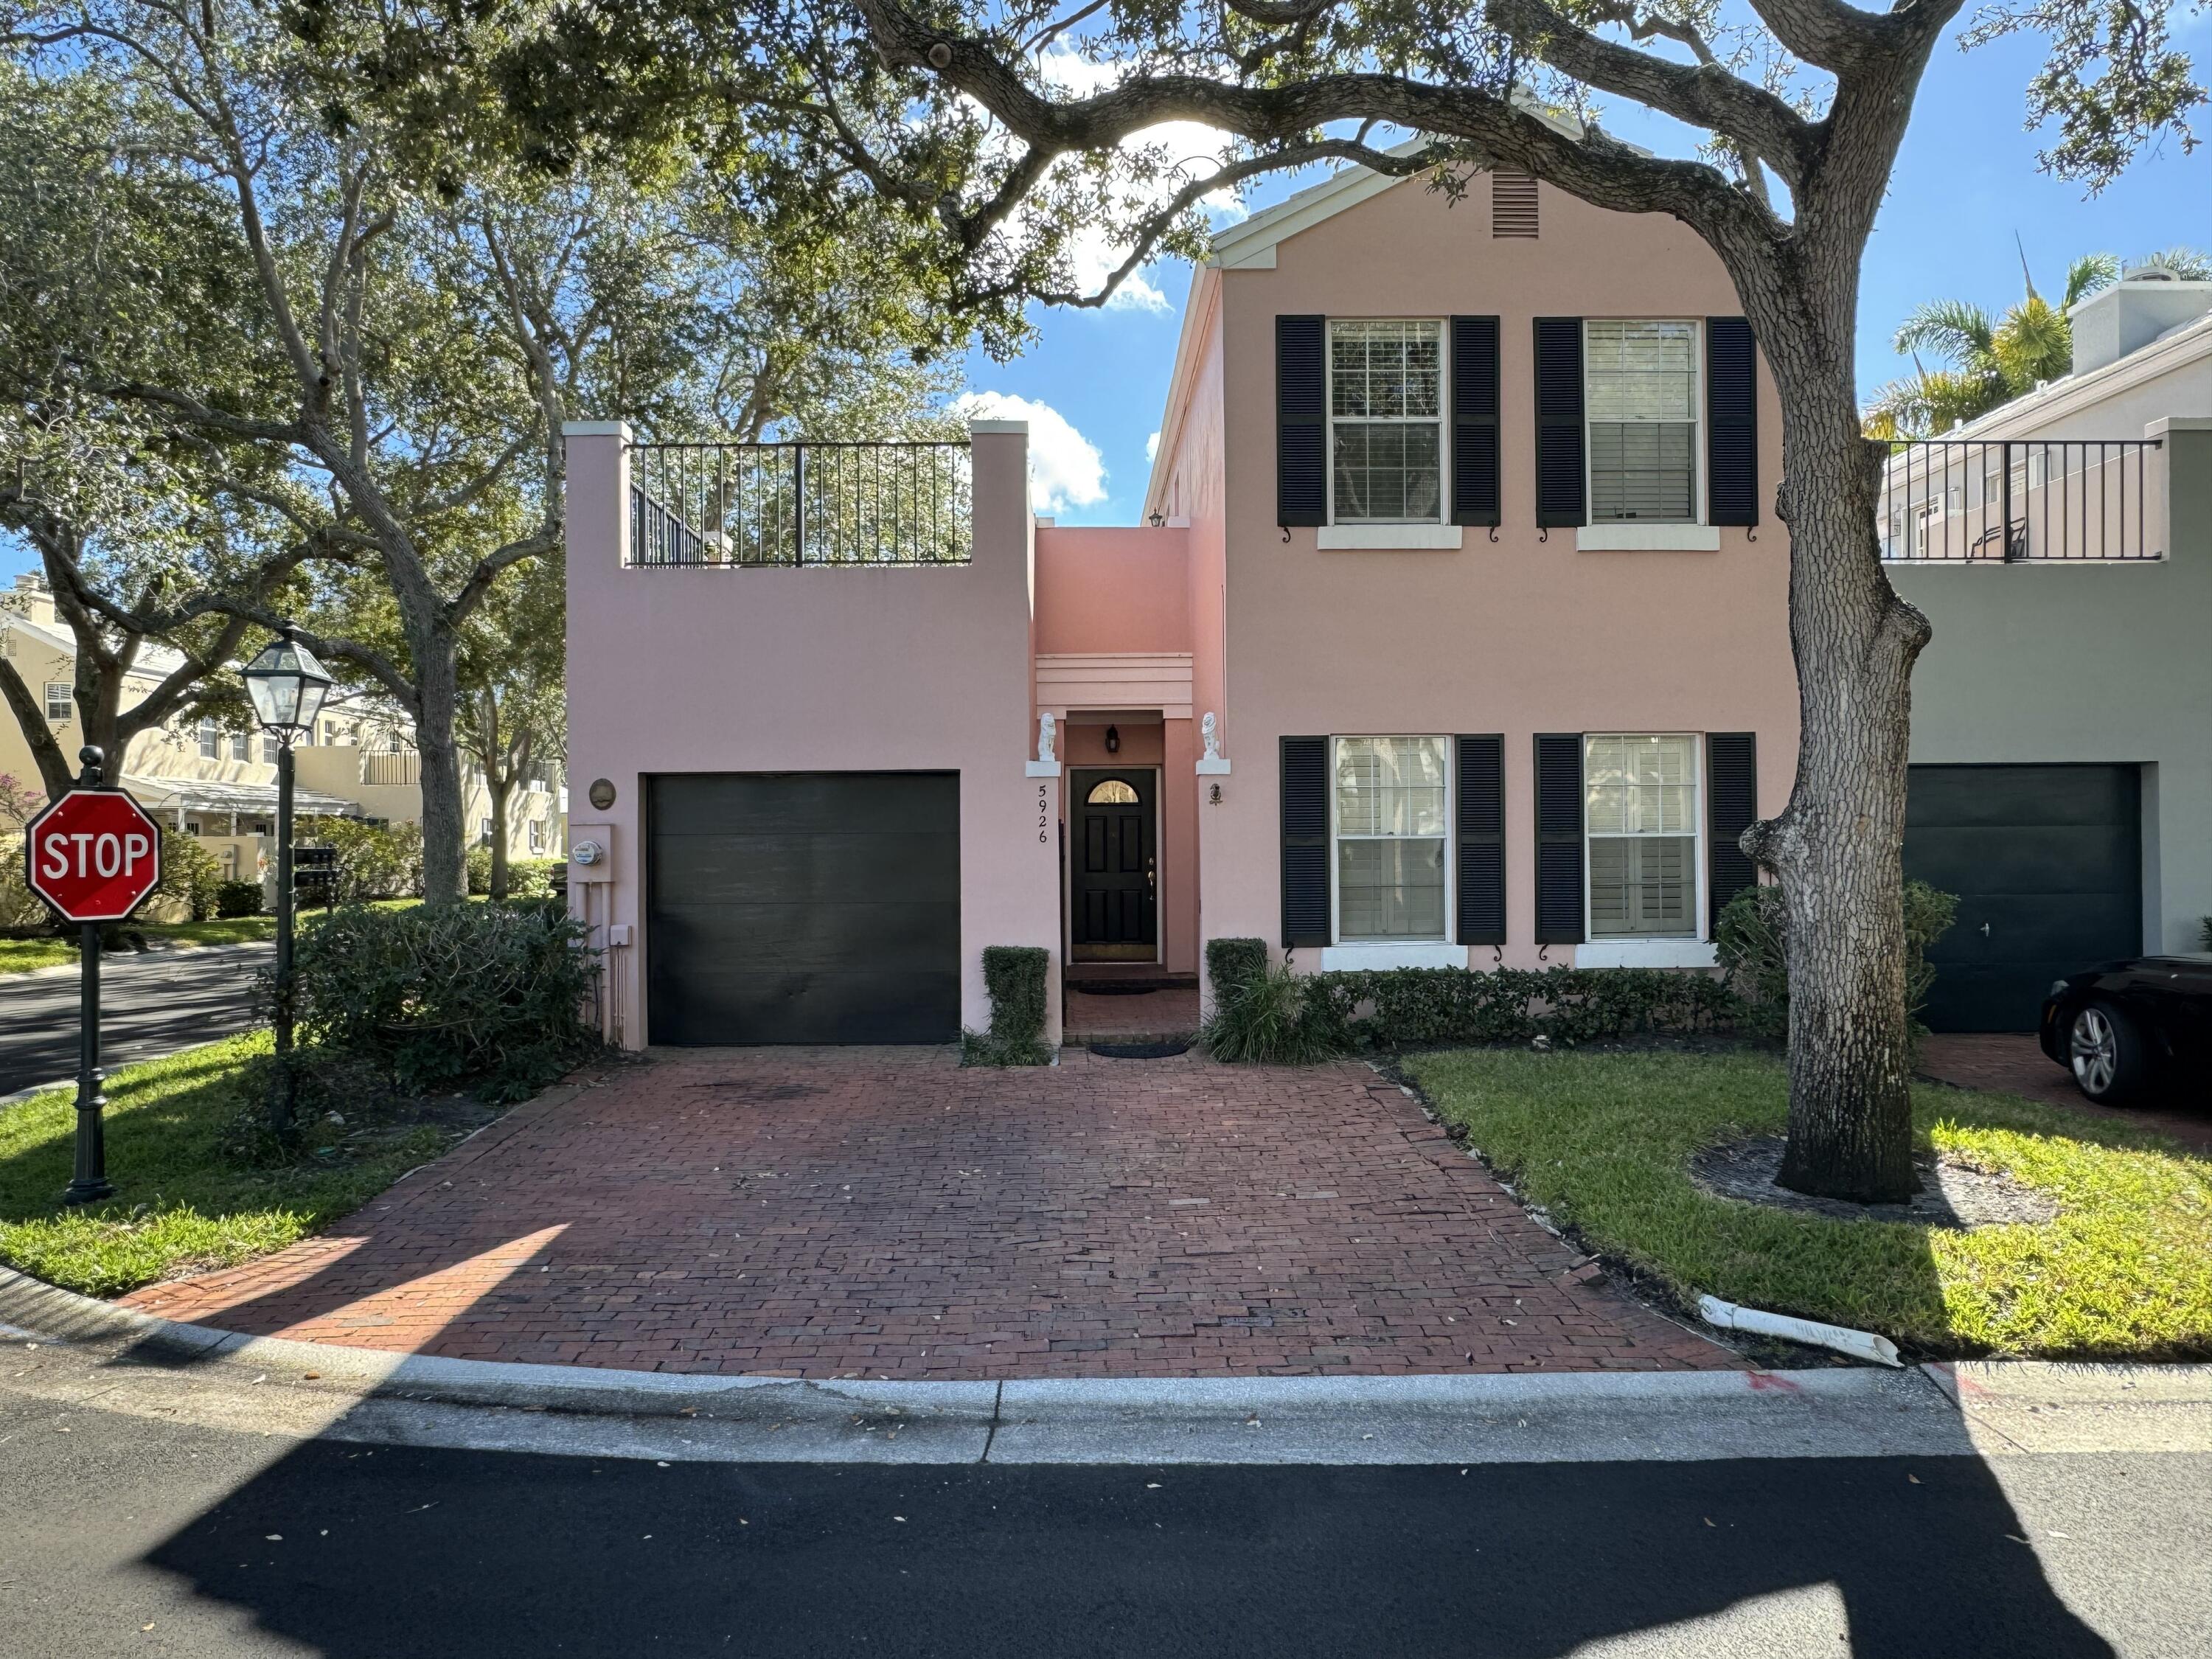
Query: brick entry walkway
{"type": "Point", "coordinates": [874, 1213]}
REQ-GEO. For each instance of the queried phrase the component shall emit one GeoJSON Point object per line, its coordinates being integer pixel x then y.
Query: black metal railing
{"type": "Point", "coordinates": [2015, 501]}
{"type": "Point", "coordinates": [800, 504]}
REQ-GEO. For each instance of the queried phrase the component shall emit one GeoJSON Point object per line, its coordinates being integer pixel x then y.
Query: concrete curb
{"type": "Point", "coordinates": [1957, 1409]}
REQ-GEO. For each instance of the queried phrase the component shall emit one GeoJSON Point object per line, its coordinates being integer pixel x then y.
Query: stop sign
{"type": "Point", "coordinates": [94, 855]}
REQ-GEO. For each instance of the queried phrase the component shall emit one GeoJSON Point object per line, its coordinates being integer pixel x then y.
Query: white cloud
{"type": "Point", "coordinates": [1153, 447]}
{"type": "Point", "coordinates": [1095, 259]}
{"type": "Point", "coordinates": [1066, 469]}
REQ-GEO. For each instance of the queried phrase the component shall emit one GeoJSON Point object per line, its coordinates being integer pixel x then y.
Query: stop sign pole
{"type": "Point", "coordinates": [94, 856]}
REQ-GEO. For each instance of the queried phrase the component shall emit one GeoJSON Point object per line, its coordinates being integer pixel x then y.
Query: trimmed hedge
{"type": "Point", "coordinates": [1014, 974]}
{"type": "Point", "coordinates": [1232, 965]}
{"type": "Point", "coordinates": [483, 996]}
{"type": "Point", "coordinates": [191, 875]}
{"type": "Point", "coordinates": [1281, 1020]}
{"type": "Point", "coordinates": [238, 898]}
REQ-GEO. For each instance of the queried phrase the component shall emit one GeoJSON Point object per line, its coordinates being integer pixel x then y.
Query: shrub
{"type": "Point", "coordinates": [1278, 1017]}
{"type": "Point", "coordinates": [191, 874]}
{"type": "Point", "coordinates": [531, 878]}
{"type": "Point", "coordinates": [2205, 933]}
{"type": "Point", "coordinates": [375, 861]}
{"type": "Point", "coordinates": [1754, 952]}
{"type": "Point", "coordinates": [18, 906]}
{"type": "Point", "coordinates": [1233, 963]}
{"type": "Point", "coordinates": [488, 997]}
{"type": "Point", "coordinates": [1014, 974]}
{"type": "Point", "coordinates": [237, 898]}
{"type": "Point", "coordinates": [479, 870]}
{"type": "Point", "coordinates": [1289, 1019]}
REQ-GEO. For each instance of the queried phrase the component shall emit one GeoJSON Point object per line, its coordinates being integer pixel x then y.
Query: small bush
{"type": "Point", "coordinates": [487, 997]}
{"type": "Point", "coordinates": [1233, 963]}
{"type": "Point", "coordinates": [20, 908]}
{"type": "Point", "coordinates": [1754, 952]}
{"type": "Point", "coordinates": [479, 870]}
{"type": "Point", "coordinates": [2205, 933]}
{"type": "Point", "coordinates": [531, 878]}
{"type": "Point", "coordinates": [1277, 1019]}
{"type": "Point", "coordinates": [237, 898]}
{"type": "Point", "coordinates": [375, 861]}
{"type": "Point", "coordinates": [191, 875]}
{"type": "Point", "coordinates": [1014, 975]}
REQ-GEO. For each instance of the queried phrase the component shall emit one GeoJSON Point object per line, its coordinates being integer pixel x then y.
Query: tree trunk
{"type": "Point", "coordinates": [1837, 846]}
{"type": "Point", "coordinates": [445, 832]}
{"type": "Point", "coordinates": [499, 786]}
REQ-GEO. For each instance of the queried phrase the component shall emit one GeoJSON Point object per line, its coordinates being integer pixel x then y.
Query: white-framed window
{"type": "Point", "coordinates": [537, 828]}
{"type": "Point", "coordinates": [1386, 421]}
{"type": "Point", "coordinates": [1641, 402]}
{"type": "Point", "coordinates": [269, 747]}
{"type": "Point", "coordinates": [211, 735]}
{"type": "Point", "coordinates": [1641, 820]}
{"type": "Point", "coordinates": [61, 700]}
{"type": "Point", "coordinates": [241, 746]}
{"type": "Point", "coordinates": [1390, 822]}
{"type": "Point", "coordinates": [483, 832]}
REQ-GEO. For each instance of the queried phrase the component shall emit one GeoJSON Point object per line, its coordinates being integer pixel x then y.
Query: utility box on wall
{"type": "Point", "coordinates": [591, 852]}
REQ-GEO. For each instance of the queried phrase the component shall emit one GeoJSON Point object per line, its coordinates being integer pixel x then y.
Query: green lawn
{"type": "Point", "coordinates": [21, 956]}
{"type": "Point", "coordinates": [182, 1205]}
{"type": "Point", "coordinates": [1602, 1142]}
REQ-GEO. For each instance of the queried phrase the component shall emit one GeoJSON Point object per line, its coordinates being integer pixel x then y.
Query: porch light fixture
{"type": "Point", "coordinates": [1158, 518]}
{"type": "Point", "coordinates": [1113, 739]}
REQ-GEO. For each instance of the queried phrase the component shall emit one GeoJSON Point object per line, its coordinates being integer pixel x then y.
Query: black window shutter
{"type": "Point", "coordinates": [1305, 841]}
{"type": "Point", "coordinates": [1559, 838]}
{"type": "Point", "coordinates": [1732, 798]}
{"type": "Point", "coordinates": [1481, 839]}
{"type": "Point", "coordinates": [1561, 491]}
{"type": "Point", "coordinates": [1731, 422]}
{"type": "Point", "coordinates": [1474, 421]}
{"type": "Point", "coordinates": [1301, 423]}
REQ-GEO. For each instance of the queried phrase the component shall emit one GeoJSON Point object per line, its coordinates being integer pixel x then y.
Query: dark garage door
{"type": "Point", "coordinates": [2046, 861]}
{"type": "Point", "coordinates": [805, 907]}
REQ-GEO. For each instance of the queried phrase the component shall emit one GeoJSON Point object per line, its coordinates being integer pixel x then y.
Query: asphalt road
{"type": "Point", "coordinates": [150, 1005]}
{"type": "Point", "coordinates": [123, 1532]}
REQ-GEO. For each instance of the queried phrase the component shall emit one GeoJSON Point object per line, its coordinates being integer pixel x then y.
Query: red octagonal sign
{"type": "Point", "coordinates": [94, 855]}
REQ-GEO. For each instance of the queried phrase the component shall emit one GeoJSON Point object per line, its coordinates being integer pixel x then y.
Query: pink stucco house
{"type": "Point", "coordinates": [1454, 540]}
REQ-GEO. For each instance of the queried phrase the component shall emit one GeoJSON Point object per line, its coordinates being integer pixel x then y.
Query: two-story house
{"type": "Point", "coordinates": [218, 783]}
{"type": "Point", "coordinates": [1456, 633]}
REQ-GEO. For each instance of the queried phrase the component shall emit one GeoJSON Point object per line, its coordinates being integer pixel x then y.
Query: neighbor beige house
{"type": "Point", "coordinates": [219, 784]}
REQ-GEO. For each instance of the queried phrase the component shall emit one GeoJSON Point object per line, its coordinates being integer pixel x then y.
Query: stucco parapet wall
{"type": "Point", "coordinates": [2166, 424]}
{"type": "Point", "coordinates": [596, 429]}
{"type": "Point", "coordinates": [1018, 428]}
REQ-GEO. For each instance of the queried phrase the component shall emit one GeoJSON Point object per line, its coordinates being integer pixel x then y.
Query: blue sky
{"type": "Point", "coordinates": [1965, 183]}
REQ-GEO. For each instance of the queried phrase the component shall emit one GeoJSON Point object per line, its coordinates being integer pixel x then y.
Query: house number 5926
{"type": "Point", "coordinates": [1044, 814]}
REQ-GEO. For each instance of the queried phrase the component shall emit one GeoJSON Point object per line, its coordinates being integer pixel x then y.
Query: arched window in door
{"type": "Point", "coordinates": [1111, 792]}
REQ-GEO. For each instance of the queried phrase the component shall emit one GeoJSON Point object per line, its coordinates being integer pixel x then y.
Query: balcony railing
{"type": "Point", "coordinates": [404, 767]}
{"type": "Point", "coordinates": [2013, 501]}
{"type": "Point", "coordinates": [800, 504]}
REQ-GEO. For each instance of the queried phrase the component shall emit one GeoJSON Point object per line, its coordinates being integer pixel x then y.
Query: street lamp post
{"type": "Point", "coordinates": [288, 686]}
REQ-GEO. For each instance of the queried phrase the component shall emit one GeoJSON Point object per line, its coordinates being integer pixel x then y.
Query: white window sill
{"type": "Point", "coordinates": [1647, 953]}
{"type": "Point", "coordinates": [1373, 957]}
{"type": "Point", "coordinates": [1436, 538]}
{"type": "Point", "coordinates": [1648, 539]}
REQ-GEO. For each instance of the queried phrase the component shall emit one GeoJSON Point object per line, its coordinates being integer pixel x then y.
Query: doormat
{"type": "Point", "coordinates": [1140, 1050]}
{"type": "Point", "coordinates": [1113, 988]}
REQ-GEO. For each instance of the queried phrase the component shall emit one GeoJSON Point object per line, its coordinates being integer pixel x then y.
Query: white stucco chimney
{"type": "Point", "coordinates": [2128, 316]}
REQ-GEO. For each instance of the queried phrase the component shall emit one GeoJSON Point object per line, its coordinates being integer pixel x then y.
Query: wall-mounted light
{"type": "Point", "coordinates": [1113, 739]}
{"type": "Point", "coordinates": [1158, 518]}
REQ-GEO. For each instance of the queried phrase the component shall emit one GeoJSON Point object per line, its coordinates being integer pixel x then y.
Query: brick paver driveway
{"type": "Point", "coordinates": [884, 1213]}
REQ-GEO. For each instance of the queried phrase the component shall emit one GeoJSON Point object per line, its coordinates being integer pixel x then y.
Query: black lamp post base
{"type": "Point", "coordinates": [88, 1192]}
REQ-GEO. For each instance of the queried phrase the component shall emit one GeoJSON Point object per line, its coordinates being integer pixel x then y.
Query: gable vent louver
{"type": "Point", "coordinates": [1512, 204]}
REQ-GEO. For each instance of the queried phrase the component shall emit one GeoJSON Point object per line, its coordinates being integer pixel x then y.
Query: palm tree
{"type": "Point", "coordinates": [1989, 360]}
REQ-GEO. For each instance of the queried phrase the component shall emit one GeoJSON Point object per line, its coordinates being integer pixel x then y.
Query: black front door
{"type": "Point", "coordinates": [1114, 867]}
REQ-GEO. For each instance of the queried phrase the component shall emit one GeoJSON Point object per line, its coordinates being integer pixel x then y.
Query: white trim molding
{"type": "Point", "coordinates": [1116, 679]}
{"type": "Point", "coordinates": [1040, 769]}
{"type": "Point", "coordinates": [1376, 957]}
{"type": "Point", "coordinates": [1648, 539]}
{"type": "Point", "coordinates": [1647, 953]}
{"type": "Point", "coordinates": [1390, 537]}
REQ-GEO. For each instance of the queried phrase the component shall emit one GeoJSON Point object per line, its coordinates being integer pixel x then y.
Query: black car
{"type": "Point", "coordinates": [2125, 1026]}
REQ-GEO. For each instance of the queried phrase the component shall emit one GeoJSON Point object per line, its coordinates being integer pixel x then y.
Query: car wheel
{"type": "Point", "coordinates": [2109, 1061]}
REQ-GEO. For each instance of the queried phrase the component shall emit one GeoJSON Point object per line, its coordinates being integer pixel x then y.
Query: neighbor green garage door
{"type": "Point", "coordinates": [804, 907]}
{"type": "Point", "coordinates": [2046, 861]}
